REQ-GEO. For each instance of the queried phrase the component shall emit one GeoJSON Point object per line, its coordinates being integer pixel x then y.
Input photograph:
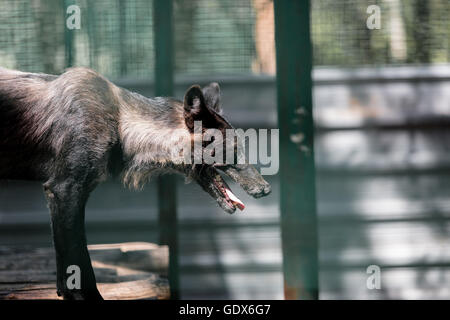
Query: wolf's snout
{"type": "Point", "coordinates": [265, 191]}
{"type": "Point", "coordinates": [249, 179]}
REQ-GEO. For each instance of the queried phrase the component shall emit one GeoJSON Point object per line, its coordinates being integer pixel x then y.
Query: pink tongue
{"type": "Point", "coordinates": [238, 203]}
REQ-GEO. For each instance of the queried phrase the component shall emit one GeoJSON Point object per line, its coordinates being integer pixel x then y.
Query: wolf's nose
{"type": "Point", "coordinates": [261, 191]}
{"type": "Point", "coordinates": [267, 189]}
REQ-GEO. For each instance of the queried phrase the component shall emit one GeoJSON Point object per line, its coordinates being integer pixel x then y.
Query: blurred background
{"type": "Point", "coordinates": [382, 115]}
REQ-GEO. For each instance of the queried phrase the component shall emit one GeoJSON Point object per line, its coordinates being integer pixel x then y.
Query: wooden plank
{"type": "Point", "coordinates": [123, 271]}
{"type": "Point", "coordinates": [297, 170]}
{"type": "Point", "coordinates": [147, 289]}
{"type": "Point", "coordinates": [135, 255]}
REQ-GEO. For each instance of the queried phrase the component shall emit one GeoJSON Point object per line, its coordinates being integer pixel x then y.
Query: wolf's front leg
{"type": "Point", "coordinates": [75, 275]}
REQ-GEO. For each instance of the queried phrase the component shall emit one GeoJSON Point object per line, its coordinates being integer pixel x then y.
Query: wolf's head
{"type": "Point", "coordinates": [203, 105]}
{"type": "Point", "coordinates": [153, 130]}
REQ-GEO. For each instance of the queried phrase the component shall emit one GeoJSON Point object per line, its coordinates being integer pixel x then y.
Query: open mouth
{"type": "Point", "coordinates": [228, 195]}
{"type": "Point", "coordinates": [210, 178]}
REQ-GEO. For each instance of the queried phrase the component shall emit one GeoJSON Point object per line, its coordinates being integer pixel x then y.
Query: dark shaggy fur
{"type": "Point", "coordinates": [74, 130]}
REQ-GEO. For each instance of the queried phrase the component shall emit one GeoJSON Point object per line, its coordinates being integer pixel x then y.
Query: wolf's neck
{"type": "Point", "coordinates": [149, 130]}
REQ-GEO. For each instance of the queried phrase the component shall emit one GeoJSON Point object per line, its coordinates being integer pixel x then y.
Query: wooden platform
{"type": "Point", "coordinates": [124, 271]}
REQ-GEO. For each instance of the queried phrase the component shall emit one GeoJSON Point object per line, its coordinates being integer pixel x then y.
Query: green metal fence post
{"type": "Point", "coordinates": [163, 35]}
{"type": "Point", "coordinates": [297, 170]}
{"type": "Point", "coordinates": [122, 35]}
{"type": "Point", "coordinates": [69, 49]}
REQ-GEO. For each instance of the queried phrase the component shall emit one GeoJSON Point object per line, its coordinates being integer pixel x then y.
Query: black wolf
{"type": "Point", "coordinates": [75, 130]}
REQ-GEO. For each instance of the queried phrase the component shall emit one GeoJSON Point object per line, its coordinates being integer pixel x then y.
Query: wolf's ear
{"type": "Point", "coordinates": [194, 106]}
{"type": "Point", "coordinates": [212, 96]}
{"type": "Point", "coordinates": [194, 101]}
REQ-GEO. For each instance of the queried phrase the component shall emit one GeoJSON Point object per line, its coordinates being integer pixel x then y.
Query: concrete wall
{"type": "Point", "coordinates": [342, 97]}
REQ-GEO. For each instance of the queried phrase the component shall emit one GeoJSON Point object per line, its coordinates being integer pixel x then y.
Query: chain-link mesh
{"type": "Point", "coordinates": [217, 36]}
{"type": "Point", "coordinates": [214, 36]}
{"type": "Point", "coordinates": [412, 31]}
{"type": "Point", "coordinates": [118, 38]}
{"type": "Point", "coordinates": [28, 35]}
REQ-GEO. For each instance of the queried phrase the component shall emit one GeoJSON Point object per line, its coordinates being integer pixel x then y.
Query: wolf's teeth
{"type": "Point", "coordinates": [235, 199]}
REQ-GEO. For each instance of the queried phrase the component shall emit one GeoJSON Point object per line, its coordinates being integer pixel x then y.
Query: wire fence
{"type": "Point", "coordinates": [217, 36]}
{"type": "Point", "coordinates": [411, 31]}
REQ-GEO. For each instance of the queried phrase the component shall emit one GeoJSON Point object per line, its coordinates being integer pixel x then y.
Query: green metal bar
{"type": "Point", "coordinates": [122, 35]}
{"type": "Point", "coordinates": [168, 226]}
{"type": "Point", "coordinates": [92, 35]}
{"type": "Point", "coordinates": [297, 170]}
{"type": "Point", "coordinates": [69, 49]}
